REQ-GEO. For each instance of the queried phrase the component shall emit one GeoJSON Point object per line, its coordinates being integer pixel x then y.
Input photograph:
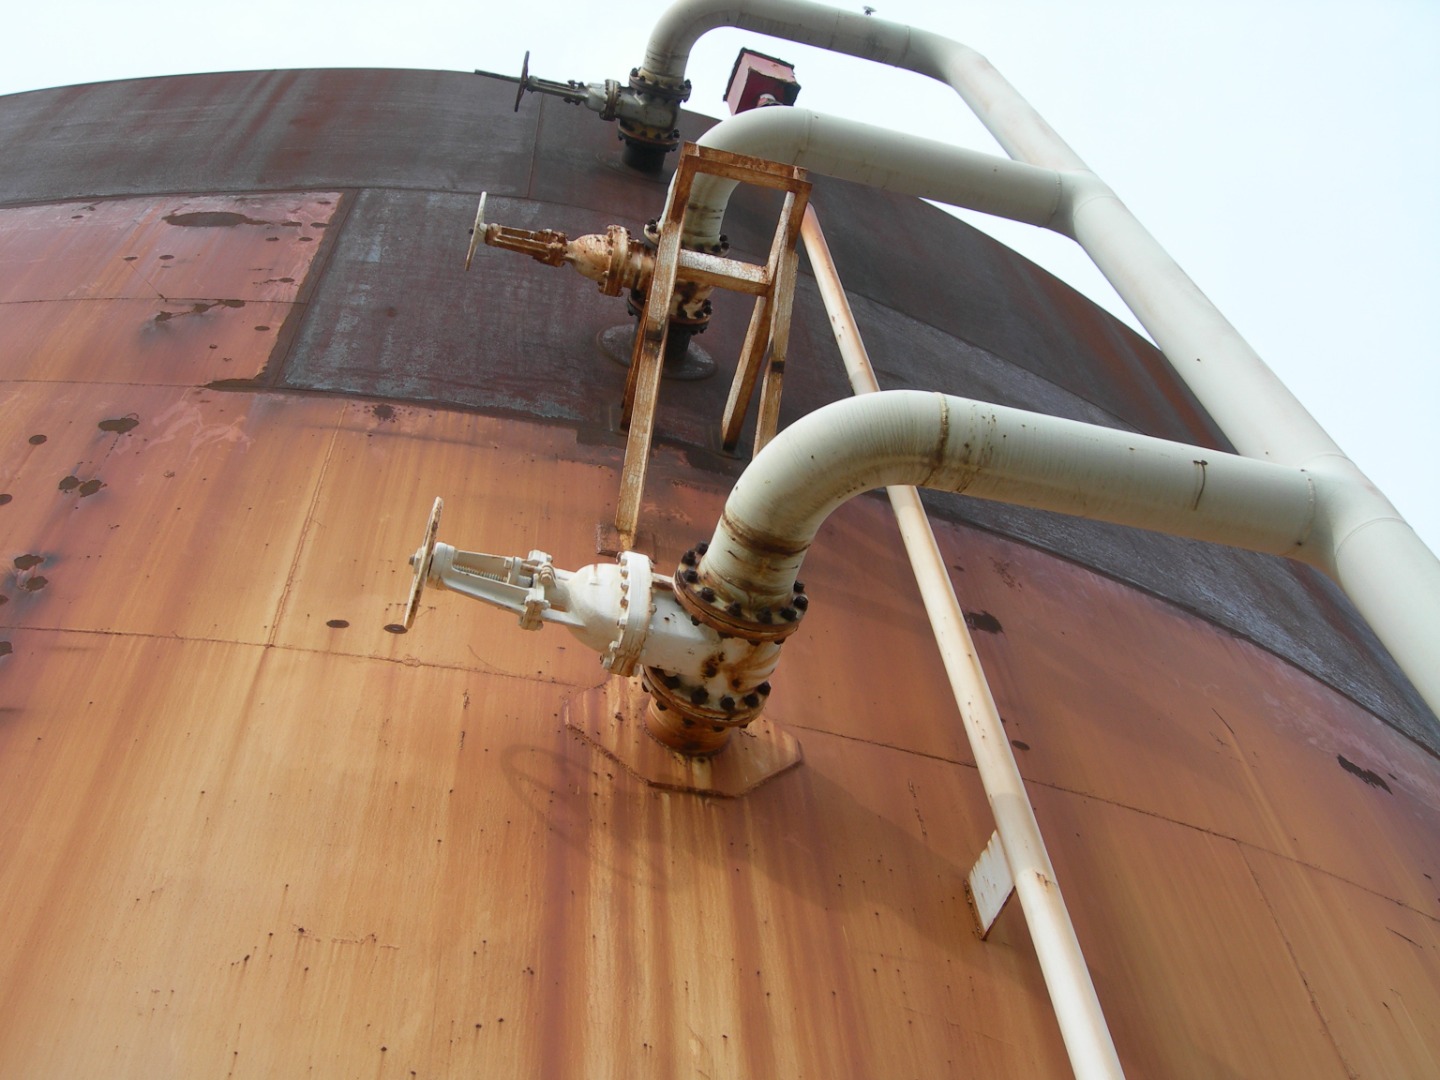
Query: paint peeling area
{"type": "Point", "coordinates": [396, 316]}
{"type": "Point", "coordinates": [172, 290]}
{"type": "Point", "coordinates": [155, 510]}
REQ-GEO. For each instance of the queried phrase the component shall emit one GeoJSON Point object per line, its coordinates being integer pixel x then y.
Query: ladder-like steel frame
{"type": "Point", "coordinates": [766, 340]}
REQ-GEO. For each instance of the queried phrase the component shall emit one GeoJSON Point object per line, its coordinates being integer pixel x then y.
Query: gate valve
{"type": "Point", "coordinates": [611, 260]}
{"type": "Point", "coordinates": [646, 108]}
{"type": "Point", "coordinates": [705, 681]}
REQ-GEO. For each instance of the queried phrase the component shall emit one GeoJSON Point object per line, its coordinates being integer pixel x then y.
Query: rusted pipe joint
{"type": "Point", "coordinates": [698, 720]}
{"type": "Point", "coordinates": [690, 719]}
{"type": "Point", "coordinates": [612, 260]}
{"type": "Point", "coordinates": [690, 303]}
{"type": "Point", "coordinates": [713, 603]}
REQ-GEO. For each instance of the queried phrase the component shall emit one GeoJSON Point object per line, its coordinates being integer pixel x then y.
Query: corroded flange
{"type": "Point", "coordinates": [648, 87]}
{"type": "Point", "coordinates": [612, 718]}
{"type": "Point", "coordinates": [686, 719]}
{"type": "Point", "coordinates": [732, 617]}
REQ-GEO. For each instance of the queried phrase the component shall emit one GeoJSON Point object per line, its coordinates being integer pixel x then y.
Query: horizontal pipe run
{"type": "Point", "coordinates": [1251, 405]}
{"type": "Point", "coordinates": [989, 451]}
{"type": "Point", "coordinates": [877, 157]}
{"type": "Point", "coordinates": [1399, 595]}
{"type": "Point", "coordinates": [1255, 410]}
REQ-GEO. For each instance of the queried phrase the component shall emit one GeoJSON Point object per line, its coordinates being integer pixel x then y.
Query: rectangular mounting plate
{"type": "Point", "coordinates": [989, 884]}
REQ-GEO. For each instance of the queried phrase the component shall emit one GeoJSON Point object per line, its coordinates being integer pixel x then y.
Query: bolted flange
{"type": "Point", "coordinates": [732, 616]}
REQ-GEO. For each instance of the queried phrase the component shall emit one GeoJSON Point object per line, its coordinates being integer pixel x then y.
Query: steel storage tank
{"type": "Point", "coordinates": [249, 832]}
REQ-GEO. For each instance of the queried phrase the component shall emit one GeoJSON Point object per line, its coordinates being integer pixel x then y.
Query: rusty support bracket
{"type": "Point", "coordinates": [767, 421]}
{"type": "Point", "coordinates": [772, 285]}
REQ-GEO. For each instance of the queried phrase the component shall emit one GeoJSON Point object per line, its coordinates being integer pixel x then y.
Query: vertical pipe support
{"type": "Point", "coordinates": [1067, 978]}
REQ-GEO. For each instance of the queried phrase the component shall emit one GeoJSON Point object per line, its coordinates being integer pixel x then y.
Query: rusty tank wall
{"type": "Point", "coordinates": [244, 831]}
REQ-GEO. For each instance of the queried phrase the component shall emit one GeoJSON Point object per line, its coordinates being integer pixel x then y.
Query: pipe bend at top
{"type": "Point", "coordinates": [880, 158]}
{"type": "Point", "coordinates": [1013, 122]}
{"type": "Point", "coordinates": [906, 437]}
{"type": "Point", "coordinates": [682, 24]}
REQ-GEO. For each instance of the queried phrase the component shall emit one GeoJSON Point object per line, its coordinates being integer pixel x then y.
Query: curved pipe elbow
{"type": "Point", "coordinates": [1351, 506]}
{"type": "Point", "coordinates": [878, 157]}
{"type": "Point", "coordinates": [682, 24]}
{"type": "Point", "coordinates": [1383, 566]}
{"type": "Point", "coordinates": [1014, 123]}
{"type": "Point", "coordinates": [1078, 189]}
{"type": "Point", "coordinates": [904, 437]}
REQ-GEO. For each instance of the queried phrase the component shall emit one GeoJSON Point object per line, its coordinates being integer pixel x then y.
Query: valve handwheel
{"type": "Point", "coordinates": [478, 232]}
{"type": "Point", "coordinates": [524, 80]}
{"type": "Point", "coordinates": [421, 562]}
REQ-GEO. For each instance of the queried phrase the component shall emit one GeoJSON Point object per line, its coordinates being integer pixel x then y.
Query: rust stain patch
{"type": "Point", "coordinates": [197, 308]}
{"type": "Point", "coordinates": [84, 487]}
{"type": "Point", "coordinates": [611, 717]}
{"type": "Point", "coordinates": [1370, 777]}
{"type": "Point", "coordinates": [180, 303]}
{"type": "Point", "coordinates": [216, 219]}
{"type": "Point", "coordinates": [1004, 570]}
{"type": "Point", "coordinates": [984, 622]}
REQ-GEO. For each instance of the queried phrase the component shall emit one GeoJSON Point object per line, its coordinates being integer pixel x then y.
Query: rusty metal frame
{"type": "Point", "coordinates": [772, 285]}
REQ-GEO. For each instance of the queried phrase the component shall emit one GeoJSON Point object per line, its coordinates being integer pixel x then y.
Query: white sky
{"type": "Point", "coordinates": [1284, 151]}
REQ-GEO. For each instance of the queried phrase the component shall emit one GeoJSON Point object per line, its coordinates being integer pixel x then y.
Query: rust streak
{"type": "Point", "coordinates": [305, 528]}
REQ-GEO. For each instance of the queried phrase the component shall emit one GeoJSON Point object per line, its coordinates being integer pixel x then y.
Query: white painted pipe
{"type": "Point", "coordinates": [990, 451]}
{"type": "Point", "coordinates": [1398, 593]}
{"type": "Point", "coordinates": [1067, 976]}
{"type": "Point", "coordinates": [1251, 405]}
{"type": "Point", "coordinates": [1016, 126]}
{"type": "Point", "coordinates": [1321, 515]}
{"type": "Point", "coordinates": [881, 158]}
{"type": "Point", "coordinates": [1254, 409]}
{"type": "Point", "coordinates": [1347, 526]}
{"type": "Point", "coordinates": [1386, 570]}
